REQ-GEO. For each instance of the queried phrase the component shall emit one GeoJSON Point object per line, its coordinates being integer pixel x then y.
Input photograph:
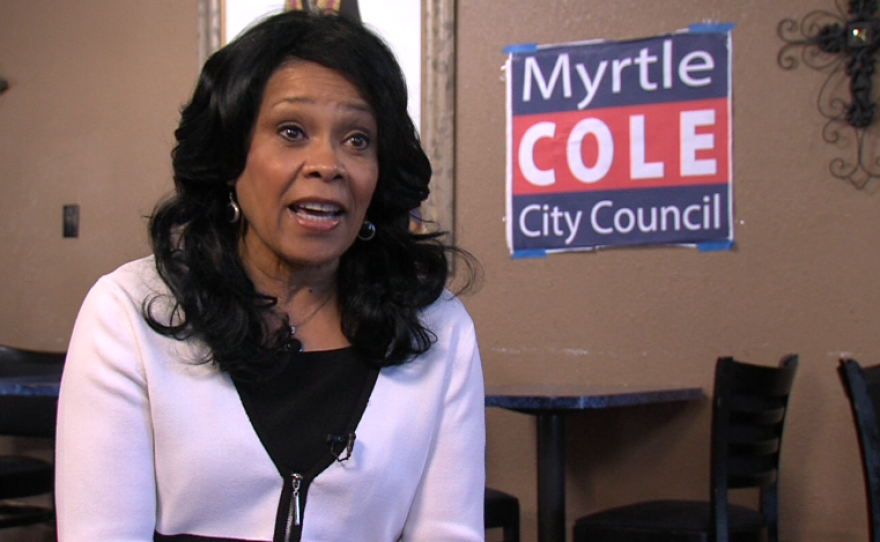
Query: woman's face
{"type": "Point", "coordinates": [311, 170]}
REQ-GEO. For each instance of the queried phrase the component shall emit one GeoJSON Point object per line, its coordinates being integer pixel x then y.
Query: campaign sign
{"type": "Point", "coordinates": [620, 143]}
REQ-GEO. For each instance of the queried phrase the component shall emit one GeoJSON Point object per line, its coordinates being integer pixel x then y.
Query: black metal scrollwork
{"type": "Point", "coordinates": [843, 45]}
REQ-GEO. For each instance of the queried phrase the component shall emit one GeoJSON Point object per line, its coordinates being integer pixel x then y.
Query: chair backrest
{"type": "Point", "coordinates": [21, 362]}
{"type": "Point", "coordinates": [748, 415]}
{"type": "Point", "coordinates": [28, 415]}
{"type": "Point", "coordinates": [862, 386]}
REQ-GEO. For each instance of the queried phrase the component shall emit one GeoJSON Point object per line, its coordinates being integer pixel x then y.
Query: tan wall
{"type": "Point", "coordinates": [803, 278]}
{"type": "Point", "coordinates": [96, 88]}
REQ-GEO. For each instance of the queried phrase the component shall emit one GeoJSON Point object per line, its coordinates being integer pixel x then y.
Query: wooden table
{"type": "Point", "coordinates": [549, 403]}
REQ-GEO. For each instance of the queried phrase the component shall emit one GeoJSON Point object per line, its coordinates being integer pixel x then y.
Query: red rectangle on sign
{"type": "Point", "coordinates": [621, 148]}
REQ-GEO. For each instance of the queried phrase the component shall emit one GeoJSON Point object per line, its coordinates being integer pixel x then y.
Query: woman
{"type": "Point", "coordinates": [288, 364]}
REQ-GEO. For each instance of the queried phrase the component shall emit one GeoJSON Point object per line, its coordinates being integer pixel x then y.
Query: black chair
{"type": "Point", "coordinates": [502, 511]}
{"type": "Point", "coordinates": [26, 416]}
{"type": "Point", "coordinates": [748, 413]}
{"type": "Point", "coordinates": [862, 386]}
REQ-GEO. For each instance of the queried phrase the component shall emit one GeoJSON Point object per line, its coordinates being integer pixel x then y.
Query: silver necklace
{"type": "Point", "coordinates": [312, 315]}
{"type": "Point", "coordinates": [292, 344]}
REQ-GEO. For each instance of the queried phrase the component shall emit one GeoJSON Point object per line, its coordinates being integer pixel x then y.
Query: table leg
{"type": "Point", "coordinates": [551, 478]}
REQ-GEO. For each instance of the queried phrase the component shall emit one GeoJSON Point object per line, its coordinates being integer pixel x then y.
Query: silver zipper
{"type": "Point", "coordinates": [294, 512]}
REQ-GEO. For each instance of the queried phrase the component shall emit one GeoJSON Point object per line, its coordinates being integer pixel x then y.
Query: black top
{"type": "Point", "coordinates": [306, 418]}
{"type": "Point", "coordinates": [318, 396]}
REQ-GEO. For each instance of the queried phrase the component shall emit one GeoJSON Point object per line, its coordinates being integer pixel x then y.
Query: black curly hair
{"type": "Point", "coordinates": [382, 284]}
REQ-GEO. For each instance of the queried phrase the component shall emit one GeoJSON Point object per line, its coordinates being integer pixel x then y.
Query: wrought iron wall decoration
{"type": "Point", "coordinates": [843, 45]}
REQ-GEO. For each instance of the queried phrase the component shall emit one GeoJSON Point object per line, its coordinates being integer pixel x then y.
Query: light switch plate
{"type": "Point", "coordinates": [71, 220]}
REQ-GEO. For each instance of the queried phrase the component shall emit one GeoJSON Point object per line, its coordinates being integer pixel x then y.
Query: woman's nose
{"type": "Point", "coordinates": [323, 161]}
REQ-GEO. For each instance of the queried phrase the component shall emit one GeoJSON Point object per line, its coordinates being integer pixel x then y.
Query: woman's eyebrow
{"type": "Point", "coordinates": [354, 106]}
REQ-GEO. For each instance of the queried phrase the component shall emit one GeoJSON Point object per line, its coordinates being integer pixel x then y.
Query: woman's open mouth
{"type": "Point", "coordinates": [315, 213]}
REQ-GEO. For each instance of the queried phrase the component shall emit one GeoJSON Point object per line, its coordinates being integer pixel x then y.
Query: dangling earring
{"type": "Point", "coordinates": [233, 211]}
{"type": "Point", "coordinates": [368, 231]}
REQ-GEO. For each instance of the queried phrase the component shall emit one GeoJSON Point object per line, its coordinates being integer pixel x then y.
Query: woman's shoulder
{"type": "Point", "coordinates": [447, 310]}
{"type": "Point", "coordinates": [136, 279]}
{"type": "Point", "coordinates": [141, 271]}
{"type": "Point", "coordinates": [136, 267]}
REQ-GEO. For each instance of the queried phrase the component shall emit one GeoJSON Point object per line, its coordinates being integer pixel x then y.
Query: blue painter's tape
{"type": "Point", "coordinates": [521, 48]}
{"type": "Point", "coordinates": [711, 28]}
{"type": "Point", "coordinates": [715, 246]}
{"type": "Point", "coordinates": [535, 253]}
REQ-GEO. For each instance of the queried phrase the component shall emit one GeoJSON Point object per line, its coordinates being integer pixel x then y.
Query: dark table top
{"type": "Point", "coordinates": [31, 385]}
{"type": "Point", "coordinates": [514, 397]}
{"type": "Point", "coordinates": [538, 397]}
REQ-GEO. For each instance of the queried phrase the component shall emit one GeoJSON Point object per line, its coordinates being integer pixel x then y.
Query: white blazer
{"type": "Point", "coordinates": [150, 441]}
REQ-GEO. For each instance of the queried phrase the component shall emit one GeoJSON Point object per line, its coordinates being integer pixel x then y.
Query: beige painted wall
{"type": "Point", "coordinates": [803, 278]}
{"type": "Point", "coordinates": [96, 87]}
